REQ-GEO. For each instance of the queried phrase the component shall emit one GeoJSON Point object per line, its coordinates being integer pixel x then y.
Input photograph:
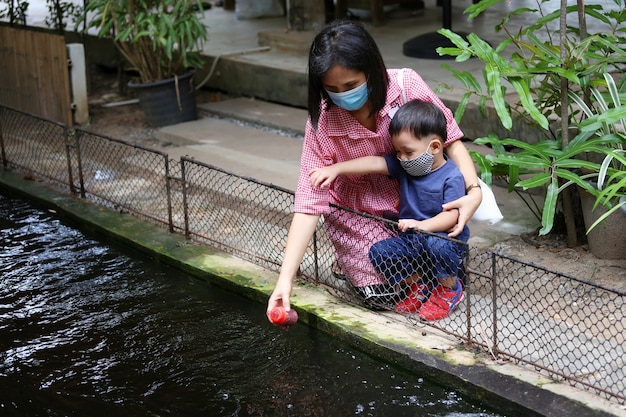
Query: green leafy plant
{"type": "Point", "coordinates": [607, 118]}
{"type": "Point", "coordinates": [59, 12]}
{"type": "Point", "coordinates": [159, 38]}
{"type": "Point", "coordinates": [611, 185]}
{"type": "Point", "coordinates": [15, 11]}
{"type": "Point", "coordinates": [540, 76]}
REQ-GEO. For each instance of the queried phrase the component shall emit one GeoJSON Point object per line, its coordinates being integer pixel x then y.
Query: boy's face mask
{"type": "Point", "coordinates": [419, 166]}
{"type": "Point", "coordinates": [350, 100]}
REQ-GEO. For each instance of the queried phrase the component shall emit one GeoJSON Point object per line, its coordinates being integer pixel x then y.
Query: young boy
{"type": "Point", "coordinates": [427, 180]}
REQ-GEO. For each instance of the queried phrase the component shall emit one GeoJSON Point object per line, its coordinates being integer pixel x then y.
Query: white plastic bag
{"type": "Point", "coordinates": [488, 211]}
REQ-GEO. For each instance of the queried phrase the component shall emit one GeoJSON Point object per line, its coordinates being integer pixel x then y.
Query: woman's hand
{"type": "Point", "coordinates": [280, 296]}
{"type": "Point", "coordinates": [466, 205]}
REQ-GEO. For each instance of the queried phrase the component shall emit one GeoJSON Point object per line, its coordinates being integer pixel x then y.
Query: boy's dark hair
{"type": "Point", "coordinates": [421, 119]}
{"type": "Point", "coordinates": [347, 44]}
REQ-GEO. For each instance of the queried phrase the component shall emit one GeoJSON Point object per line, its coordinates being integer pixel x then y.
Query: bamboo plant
{"type": "Point", "coordinates": [159, 39]}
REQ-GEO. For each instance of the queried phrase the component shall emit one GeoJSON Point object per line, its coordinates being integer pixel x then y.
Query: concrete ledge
{"type": "Point", "coordinates": [511, 389]}
{"type": "Point", "coordinates": [292, 41]}
{"type": "Point", "coordinates": [244, 75]}
{"type": "Point", "coordinates": [290, 120]}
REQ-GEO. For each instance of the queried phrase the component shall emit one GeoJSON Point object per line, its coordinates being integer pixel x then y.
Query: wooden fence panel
{"type": "Point", "coordinates": [34, 73]}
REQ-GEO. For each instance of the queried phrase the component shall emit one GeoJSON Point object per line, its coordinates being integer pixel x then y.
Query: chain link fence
{"type": "Point", "coordinates": [562, 326]}
{"type": "Point", "coordinates": [121, 176]}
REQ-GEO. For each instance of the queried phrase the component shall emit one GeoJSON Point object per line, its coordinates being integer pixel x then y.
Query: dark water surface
{"type": "Point", "coordinates": [87, 329]}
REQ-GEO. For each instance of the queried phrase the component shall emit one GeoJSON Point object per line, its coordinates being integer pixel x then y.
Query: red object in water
{"type": "Point", "coordinates": [280, 317]}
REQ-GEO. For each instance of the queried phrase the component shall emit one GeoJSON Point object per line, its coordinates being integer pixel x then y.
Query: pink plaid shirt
{"type": "Point", "coordinates": [340, 138]}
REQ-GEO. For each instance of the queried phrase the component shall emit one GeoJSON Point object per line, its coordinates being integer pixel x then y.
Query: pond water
{"type": "Point", "coordinates": [87, 329]}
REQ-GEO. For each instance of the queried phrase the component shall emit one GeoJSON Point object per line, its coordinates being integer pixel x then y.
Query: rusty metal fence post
{"type": "Point", "coordinates": [494, 301]}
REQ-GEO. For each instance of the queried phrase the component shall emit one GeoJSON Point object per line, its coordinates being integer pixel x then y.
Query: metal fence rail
{"type": "Point", "coordinates": [236, 214]}
{"type": "Point", "coordinates": [565, 327]}
{"type": "Point", "coordinates": [35, 145]}
{"type": "Point", "coordinates": [122, 176]}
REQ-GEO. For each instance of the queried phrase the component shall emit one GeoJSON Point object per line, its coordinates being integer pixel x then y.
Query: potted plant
{"type": "Point", "coordinates": [611, 188]}
{"type": "Point", "coordinates": [601, 186]}
{"type": "Point", "coordinates": [605, 211]}
{"type": "Point", "coordinates": [605, 208]}
{"type": "Point", "coordinates": [534, 77]}
{"type": "Point", "coordinates": [161, 41]}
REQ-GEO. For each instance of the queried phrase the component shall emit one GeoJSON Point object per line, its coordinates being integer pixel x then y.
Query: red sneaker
{"type": "Point", "coordinates": [442, 302]}
{"type": "Point", "coordinates": [416, 295]}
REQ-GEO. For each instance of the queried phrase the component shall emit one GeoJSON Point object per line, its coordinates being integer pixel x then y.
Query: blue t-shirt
{"type": "Point", "coordinates": [421, 197]}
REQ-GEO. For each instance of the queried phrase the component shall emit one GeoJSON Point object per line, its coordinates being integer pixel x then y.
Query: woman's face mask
{"type": "Point", "coordinates": [350, 100]}
{"type": "Point", "coordinates": [419, 166]}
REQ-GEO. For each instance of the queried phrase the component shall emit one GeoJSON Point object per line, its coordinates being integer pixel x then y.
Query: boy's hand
{"type": "Point", "coordinates": [406, 224]}
{"type": "Point", "coordinates": [322, 177]}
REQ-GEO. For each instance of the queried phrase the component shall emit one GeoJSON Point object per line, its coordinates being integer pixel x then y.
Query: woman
{"type": "Point", "coordinates": [352, 98]}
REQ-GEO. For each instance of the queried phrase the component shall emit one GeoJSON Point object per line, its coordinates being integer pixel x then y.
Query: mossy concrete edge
{"type": "Point", "coordinates": [511, 389]}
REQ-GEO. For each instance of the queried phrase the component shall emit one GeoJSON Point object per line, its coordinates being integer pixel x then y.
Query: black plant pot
{"type": "Point", "coordinates": [169, 101]}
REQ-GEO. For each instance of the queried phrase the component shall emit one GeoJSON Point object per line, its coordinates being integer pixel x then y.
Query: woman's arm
{"type": "Point", "coordinates": [300, 233]}
{"type": "Point", "coordinates": [468, 204]}
{"type": "Point", "coordinates": [442, 222]}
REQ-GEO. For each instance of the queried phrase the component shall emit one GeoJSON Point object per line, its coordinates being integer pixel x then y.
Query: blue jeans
{"type": "Point", "coordinates": [397, 258]}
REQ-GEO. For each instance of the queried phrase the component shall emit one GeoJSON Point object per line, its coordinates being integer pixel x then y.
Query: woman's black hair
{"type": "Point", "coordinates": [421, 119]}
{"type": "Point", "coordinates": [345, 43]}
